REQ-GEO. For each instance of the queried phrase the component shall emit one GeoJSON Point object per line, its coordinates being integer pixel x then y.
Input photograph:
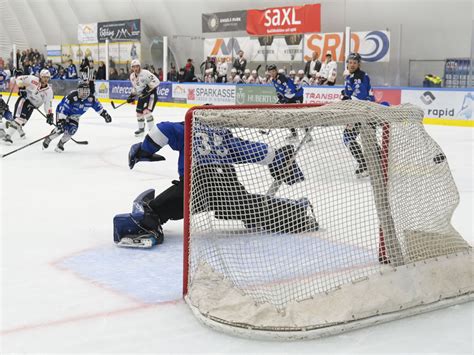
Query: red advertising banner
{"type": "Point", "coordinates": [284, 20]}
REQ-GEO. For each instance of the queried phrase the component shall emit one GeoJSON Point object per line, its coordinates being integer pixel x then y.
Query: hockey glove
{"type": "Point", "coordinates": [145, 93]}
{"type": "Point", "coordinates": [281, 98]}
{"type": "Point", "coordinates": [131, 98]}
{"type": "Point", "coordinates": [137, 154]}
{"type": "Point", "coordinates": [61, 124]}
{"type": "Point", "coordinates": [106, 116]}
{"type": "Point", "coordinates": [22, 92]}
{"type": "Point", "coordinates": [50, 118]}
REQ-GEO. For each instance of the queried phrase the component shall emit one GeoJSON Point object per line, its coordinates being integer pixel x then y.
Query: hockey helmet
{"type": "Point", "coordinates": [135, 62]}
{"type": "Point", "coordinates": [83, 90]}
{"type": "Point", "coordinates": [354, 56]}
{"type": "Point", "coordinates": [247, 71]}
{"type": "Point", "coordinates": [45, 74]}
{"type": "Point", "coordinates": [272, 67]}
{"type": "Point", "coordinates": [292, 72]}
{"type": "Point", "coordinates": [233, 70]}
{"type": "Point", "coordinates": [281, 71]}
{"type": "Point", "coordinates": [254, 71]}
{"type": "Point", "coordinates": [301, 71]}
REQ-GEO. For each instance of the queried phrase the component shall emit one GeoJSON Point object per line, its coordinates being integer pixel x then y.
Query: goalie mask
{"type": "Point", "coordinates": [83, 91]}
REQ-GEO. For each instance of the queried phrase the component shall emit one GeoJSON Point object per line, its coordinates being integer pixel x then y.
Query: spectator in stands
{"type": "Point", "coordinates": [328, 72]}
{"type": "Point", "coordinates": [209, 63]}
{"type": "Point", "coordinates": [101, 74]}
{"type": "Point", "coordinates": [222, 69]}
{"type": "Point", "coordinates": [111, 63]}
{"type": "Point", "coordinates": [71, 70]}
{"type": "Point", "coordinates": [312, 65]}
{"type": "Point", "coordinates": [246, 76]}
{"type": "Point", "coordinates": [62, 75]}
{"type": "Point", "coordinates": [84, 66]}
{"type": "Point", "coordinates": [52, 70]}
{"type": "Point", "coordinates": [122, 75]}
{"type": "Point", "coordinates": [27, 68]}
{"type": "Point", "coordinates": [113, 74]}
{"type": "Point", "coordinates": [181, 75]}
{"type": "Point", "coordinates": [189, 71]}
{"type": "Point", "coordinates": [172, 74]}
{"type": "Point", "coordinates": [240, 63]}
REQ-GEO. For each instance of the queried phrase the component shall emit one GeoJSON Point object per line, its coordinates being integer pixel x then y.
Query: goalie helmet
{"type": "Point", "coordinates": [135, 62]}
{"type": "Point", "coordinates": [83, 90]}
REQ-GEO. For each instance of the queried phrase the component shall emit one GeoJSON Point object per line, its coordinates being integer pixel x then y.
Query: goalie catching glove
{"type": "Point", "coordinates": [137, 153]}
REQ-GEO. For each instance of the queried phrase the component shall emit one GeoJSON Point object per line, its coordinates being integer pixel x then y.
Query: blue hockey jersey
{"type": "Point", "coordinates": [72, 105]}
{"type": "Point", "coordinates": [357, 85]}
{"type": "Point", "coordinates": [287, 91]}
{"type": "Point", "coordinates": [212, 146]}
{"type": "Point", "coordinates": [71, 72]}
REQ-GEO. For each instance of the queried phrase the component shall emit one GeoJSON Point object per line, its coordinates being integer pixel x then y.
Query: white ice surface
{"type": "Point", "coordinates": [66, 288]}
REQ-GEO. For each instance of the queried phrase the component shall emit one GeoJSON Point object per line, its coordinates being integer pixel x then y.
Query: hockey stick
{"type": "Point", "coordinates": [116, 107]}
{"type": "Point", "coordinates": [36, 141]}
{"type": "Point", "coordinates": [275, 186]}
{"type": "Point", "coordinates": [10, 95]}
{"type": "Point", "coordinates": [75, 141]}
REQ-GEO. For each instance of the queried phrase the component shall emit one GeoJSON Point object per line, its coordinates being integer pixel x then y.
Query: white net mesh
{"type": "Point", "coordinates": [278, 222]}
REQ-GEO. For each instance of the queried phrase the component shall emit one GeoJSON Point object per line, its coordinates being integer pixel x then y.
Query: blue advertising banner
{"type": "Point", "coordinates": [165, 91]}
{"type": "Point", "coordinates": [120, 90]}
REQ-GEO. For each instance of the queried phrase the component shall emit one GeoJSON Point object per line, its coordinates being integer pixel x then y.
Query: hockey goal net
{"type": "Point", "coordinates": [283, 240]}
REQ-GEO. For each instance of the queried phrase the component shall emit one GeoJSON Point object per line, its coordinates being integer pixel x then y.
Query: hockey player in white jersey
{"type": "Point", "coordinates": [144, 89]}
{"type": "Point", "coordinates": [33, 92]}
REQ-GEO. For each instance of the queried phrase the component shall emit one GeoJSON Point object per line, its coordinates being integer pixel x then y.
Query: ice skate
{"type": "Point", "coordinates": [139, 132]}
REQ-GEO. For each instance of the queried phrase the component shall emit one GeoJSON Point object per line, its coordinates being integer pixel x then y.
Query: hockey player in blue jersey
{"type": "Point", "coordinates": [3, 79]}
{"type": "Point", "coordinates": [215, 154]}
{"type": "Point", "coordinates": [287, 91]}
{"type": "Point", "coordinates": [68, 113]}
{"type": "Point", "coordinates": [356, 87]}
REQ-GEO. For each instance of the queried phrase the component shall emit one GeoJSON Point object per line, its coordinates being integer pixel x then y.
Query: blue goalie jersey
{"type": "Point", "coordinates": [211, 145]}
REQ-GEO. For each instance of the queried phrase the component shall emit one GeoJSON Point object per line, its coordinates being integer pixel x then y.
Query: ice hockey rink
{"type": "Point", "coordinates": [66, 287]}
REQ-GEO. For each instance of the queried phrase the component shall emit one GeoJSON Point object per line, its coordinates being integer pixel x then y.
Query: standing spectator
{"type": "Point", "coordinates": [328, 73]}
{"type": "Point", "coordinates": [181, 75]}
{"type": "Point", "coordinates": [312, 65]}
{"type": "Point", "coordinates": [222, 70]}
{"type": "Point", "coordinates": [71, 70]}
{"type": "Point", "coordinates": [111, 63]}
{"type": "Point", "coordinates": [240, 63]}
{"type": "Point", "coordinates": [189, 71]}
{"type": "Point", "coordinates": [101, 74]}
{"type": "Point", "coordinates": [172, 75]}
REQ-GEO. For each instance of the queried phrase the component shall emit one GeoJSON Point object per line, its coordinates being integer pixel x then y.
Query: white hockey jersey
{"type": "Point", "coordinates": [143, 80]}
{"type": "Point", "coordinates": [35, 93]}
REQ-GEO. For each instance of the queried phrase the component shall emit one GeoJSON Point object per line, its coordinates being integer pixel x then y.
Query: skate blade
{"type": "Point", "coordinates": [57, 150]}
{"type": "Point", "coordinates": [130, 243]}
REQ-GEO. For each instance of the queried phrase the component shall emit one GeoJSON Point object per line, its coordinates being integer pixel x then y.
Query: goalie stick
{"type": "Point", "coordinates": [75, 141]}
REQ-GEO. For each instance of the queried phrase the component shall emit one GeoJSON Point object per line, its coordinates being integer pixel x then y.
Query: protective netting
{"type": "Point", "coordinates": [282, 228]}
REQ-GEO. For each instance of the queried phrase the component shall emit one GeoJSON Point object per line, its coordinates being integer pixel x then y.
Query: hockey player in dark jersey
{"type": "Point", "coordinates": [216, 153]}
{"type": "Point", "coordinates": [287, 92]}
{"type": "Point", "coordinates": [356, 87]}
{"type": "Point", "coordinates": [68, 113]}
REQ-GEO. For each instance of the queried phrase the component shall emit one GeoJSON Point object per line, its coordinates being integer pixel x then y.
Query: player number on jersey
{"type": "Point", "coordinates": [213, 144]}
